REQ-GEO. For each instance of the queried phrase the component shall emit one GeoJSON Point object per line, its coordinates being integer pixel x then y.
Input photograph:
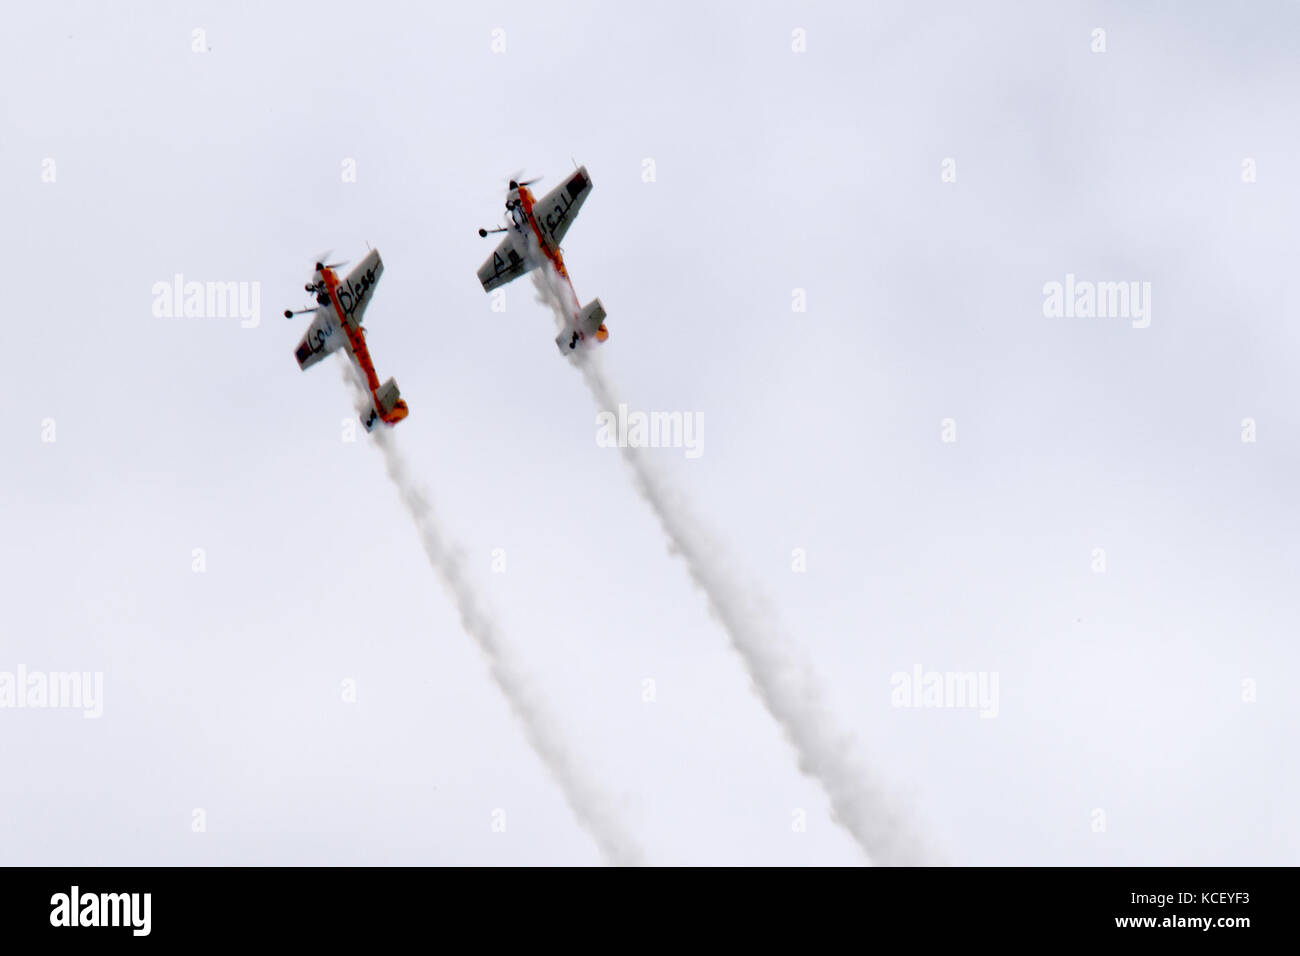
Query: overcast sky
{"type": "Point", "coordinates": [1110, 529]}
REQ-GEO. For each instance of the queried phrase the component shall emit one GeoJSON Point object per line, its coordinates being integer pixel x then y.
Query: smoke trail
{"type": "Point", "coordinates": [784, 682]}
{"type": "Point", "coordinates": [588, 804]}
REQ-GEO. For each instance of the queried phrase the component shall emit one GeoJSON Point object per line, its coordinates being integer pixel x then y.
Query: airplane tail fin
{"type": "Point", "coordinates": [590, 322]}
{"type": "Point", "coordinates": [592, 317]}
{"type": "Point", "coordinates": [387, 406]}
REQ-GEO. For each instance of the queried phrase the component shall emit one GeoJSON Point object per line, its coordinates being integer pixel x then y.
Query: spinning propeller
{"type": "Point", "coordinates": [514, 183]}
{"type": "Point", "coordinates": [322, 264]}
{"type": "Point", "coordinates": [311, 288]}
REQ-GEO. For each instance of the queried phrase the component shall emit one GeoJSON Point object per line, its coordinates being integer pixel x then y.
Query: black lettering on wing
{"type": "Point", "coordinates": [558, 213]}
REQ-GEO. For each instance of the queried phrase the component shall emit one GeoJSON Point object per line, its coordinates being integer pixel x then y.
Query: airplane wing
{"type": "Point", "coordinates": [507, 262]}
{"type": "Point", "coordinates": [557, 209]}
{"type": "Point", "coordinates": [323, 337]}
{"type": "Point", "coordinates": [358, 288]}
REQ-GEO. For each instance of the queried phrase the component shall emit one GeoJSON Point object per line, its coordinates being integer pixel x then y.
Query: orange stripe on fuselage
{"type": "Point", "coordinates": [527, 201]}
{"type": "Point", "coordinates": [356, 340]}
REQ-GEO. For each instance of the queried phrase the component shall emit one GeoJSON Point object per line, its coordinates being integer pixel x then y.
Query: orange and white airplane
{"type": "Point", "coordinates": [340, 304]}
{"type": "Point", "coordinates": [532, 238]}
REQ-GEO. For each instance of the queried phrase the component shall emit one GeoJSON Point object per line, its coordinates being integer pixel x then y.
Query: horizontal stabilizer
{"type": "Point", "coordinates": [388, 406]}
{"type": "Point", "coordinates": [387, 396]}
{"type": "Point", "coordinates": [590, 323]}
{"type": "Point", "coordinates": [591, 318]}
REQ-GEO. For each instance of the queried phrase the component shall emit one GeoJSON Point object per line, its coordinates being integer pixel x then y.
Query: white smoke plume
{"type": "Point", "coordinates": [783, 681]}
{"type": "Point", "coordinates": [591, 807]}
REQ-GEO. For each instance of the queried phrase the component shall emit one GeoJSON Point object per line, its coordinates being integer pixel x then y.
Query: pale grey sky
{"type": "Point", "coordinates": [1119, 692]}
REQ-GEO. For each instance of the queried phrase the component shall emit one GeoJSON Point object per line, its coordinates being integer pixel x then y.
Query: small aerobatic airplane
{"type": "Point", "coordinates": [533, 237]}
{"type": "Point", "coordinates": [340, 305]}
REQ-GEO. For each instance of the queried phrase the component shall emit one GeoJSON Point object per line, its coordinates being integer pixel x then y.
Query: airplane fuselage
{"type": "Point", "coordinates": [526, 203]}
{"type": "Point", "coordinates": [356, 339]}
{"type": "Point", "coordinates": [552, 254]}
